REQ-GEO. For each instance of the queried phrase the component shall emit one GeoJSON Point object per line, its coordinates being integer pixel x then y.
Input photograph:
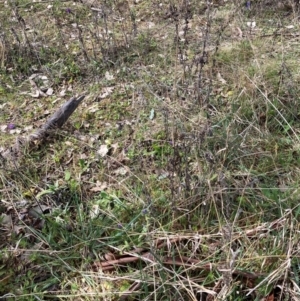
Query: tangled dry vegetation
{"type": "Point", "coordinates": [177, 176]}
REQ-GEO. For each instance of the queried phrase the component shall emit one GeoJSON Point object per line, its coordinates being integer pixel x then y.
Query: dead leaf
{"type": "Point", "coordinates": [28, 128]}
{"type": "Point", "coordinates": [108, 76]}
{"type": "Point", "coordinates": [32, 76]}
{"type": "Point", "coordinates": [62, 92]}
{"type": "Point", "coordinates": [68, 143]}
{"type": "Point", "coordinates": [251, 24]}
{"type": "Point", "coordinates": [114, 147]}
{"type": "Point", "coordinates": [49, 91]}
{"type": "Point", "coordinates": [100, 186]}
{"type": "Point", "coordinates": [221, 79]}
{"type": "Point", "coordinates": [5, 220]}
{"type": "Point", "coordinates": [152, 114]}
{"type": "Point", "coordinates": [227, 94]}
{"type": "Point", "coordinates": [94, 211]}
{"type": "Point", "coordinates": [163, 175]}
{"type": "Point", "coordinates": [15, 131]}
{"type": "Point", "coordinates": [239, 32]}
{"type": "Point", "coordinates": [106, 91]}
{"type": "Point", "coordinates": [18, 229]}
{"type": "Point", "coordinates": [122, 157]}
{"type": "Point", "coordinates": [103, 150]}
{"type": "Point", "coordinates": [83, 156]}
{"type": "Point", "coordinates": [38, 210]}
{"type": "Point", "coordinates": [94, 108]}
{"type": "Point", "coordinates": [36, 94]}
{"type": "Point", "coordinates": [37, 91]}
{"type": "Point", "coordinates": [3, 127]}
{"type": "Point", "coordinates": [151, 25]}
{"type": "Point", "coordinates": [121, 171]}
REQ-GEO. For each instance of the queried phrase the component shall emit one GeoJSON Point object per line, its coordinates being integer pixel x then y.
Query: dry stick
{"type": "Point", "coordinates": [58, 119]}
{"type": "Point", "coordinates": [175, 261]}
{"type": "Point", "coordinates": [55, 121]}
{"type": "Point", "coordinates": [192, 263]}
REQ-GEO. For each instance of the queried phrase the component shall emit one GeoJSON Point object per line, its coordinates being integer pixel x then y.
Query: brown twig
{"type": "Point", "coordinates": [143, 254]}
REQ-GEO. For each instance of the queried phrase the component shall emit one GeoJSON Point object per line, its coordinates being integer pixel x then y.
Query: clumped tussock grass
{"type": "Point", "coordinates": [177, 178]}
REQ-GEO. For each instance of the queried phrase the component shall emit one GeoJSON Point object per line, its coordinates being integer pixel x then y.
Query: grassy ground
{"type": "Point", "coordinates": [178, 176]}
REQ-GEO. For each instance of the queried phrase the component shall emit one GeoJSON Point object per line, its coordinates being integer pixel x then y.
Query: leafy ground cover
{"type": "Point", "coordinates": [177, 177]}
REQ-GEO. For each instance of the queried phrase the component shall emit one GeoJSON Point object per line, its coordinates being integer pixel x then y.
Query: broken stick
{"type": "Point", "coordinates": [56, 121]}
